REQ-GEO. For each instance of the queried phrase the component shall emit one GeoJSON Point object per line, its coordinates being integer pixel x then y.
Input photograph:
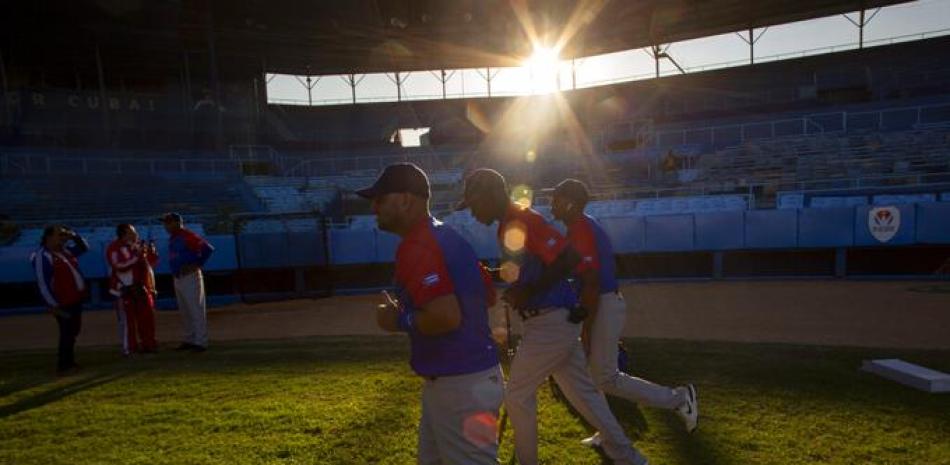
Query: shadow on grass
{"type": "Point", "coordinates": [627, 413]}
{"type": "Point", "coordinates": [814, 374]}
{"type": "Point", "coordinates": [80, 383]}
{"type": "Point", "coordinates": [694, 447]}
{"type": "Point", "coordinates": [22, 383]}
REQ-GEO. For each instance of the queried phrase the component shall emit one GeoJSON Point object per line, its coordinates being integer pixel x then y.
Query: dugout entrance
{"type": "Point", "coordinates": [281, 256]}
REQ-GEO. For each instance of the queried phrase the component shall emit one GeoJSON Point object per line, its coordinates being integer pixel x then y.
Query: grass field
{"type": "Point", "coordinates": [354, 401]}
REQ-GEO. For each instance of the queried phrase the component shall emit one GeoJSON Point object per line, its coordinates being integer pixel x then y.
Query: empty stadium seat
{"type": "Point", "coordinates": [838, 201]}
{"type": "Point", "coordinates": [790, 201]}
{"type": "Point", "coordinates": [899, 199]}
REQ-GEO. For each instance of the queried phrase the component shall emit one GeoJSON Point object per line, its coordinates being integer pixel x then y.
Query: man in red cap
{"type": "Point", "coordinates": [443, 295]}
{"type": "Point", "coordinates": [606, 311]}
{"type": "Point", "coordinates": [537, 260]}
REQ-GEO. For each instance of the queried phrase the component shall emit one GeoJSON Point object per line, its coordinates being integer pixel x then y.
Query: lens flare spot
{"type": "Point", "coordinates": [530, 156]}
{"type": "Point", "coordinates": [499, 335]}
{"type": "Point", "coordinates": [481, 429]}
{"type": "Point", "coordinates": [514, 237]}
{"type": "Point", "coordinates": [522, 196]}
{"type": "Point", "coordinates": [510, 271]}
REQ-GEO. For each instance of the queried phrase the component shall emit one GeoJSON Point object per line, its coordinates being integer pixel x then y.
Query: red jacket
{"type": "Point", "coordinates": [130, 265]}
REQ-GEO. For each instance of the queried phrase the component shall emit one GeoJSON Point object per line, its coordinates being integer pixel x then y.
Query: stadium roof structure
{"type": "Point", "coordinates": [364, 36]}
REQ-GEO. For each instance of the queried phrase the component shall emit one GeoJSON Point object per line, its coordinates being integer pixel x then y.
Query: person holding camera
{"type": "Point", "coordinates": [187, 253]}
{"type": "Point", "coordinates": [63, 287]}
{"type": "Point", "coordinates": [606, 311]}
{"type": "Point", "coordinates": [442, 300]}
{"type": "Point", "coordinates": [133, 284]}
{"type": "Point", "coordinates": [537, 260]}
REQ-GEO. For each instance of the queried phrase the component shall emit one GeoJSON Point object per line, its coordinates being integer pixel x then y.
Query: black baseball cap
{"type": "Point", "coordinates": [481, 182]}
{"type": "Point", "coordinates": [572, 189]}
{"type": "Point", "coordinates": [171, 217]}
{"type": "Point", "coordinates": [398, 178]}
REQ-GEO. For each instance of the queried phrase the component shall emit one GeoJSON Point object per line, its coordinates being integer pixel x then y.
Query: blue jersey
{"type": "Point", "coordinates": [186, 247]}
{"type": "Point", "coordinates": [433, 260]}
{"type": "Point", "coordinates": [528, 243]}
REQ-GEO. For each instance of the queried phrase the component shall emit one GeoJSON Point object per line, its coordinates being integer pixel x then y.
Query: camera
{"type": "Point", "coordinates": [576, 314]}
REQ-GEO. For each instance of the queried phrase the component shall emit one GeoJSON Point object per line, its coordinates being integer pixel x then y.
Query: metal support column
{"type": "Point", "coordinates": [573, 73]}
{"type": "Point", "coordinates": [399, 80]}
{"type": "Point", "coordinates": [656, 58]}
{"type": "Point", "coordinates": [215, 80]}
{"type": "Point", "coordinates": [863, 20]}
{"type": "Point", "coordinates": [309, 83]}
{"type": "Point", "coordinates": [443, 78]}
{"type": "Point", "coordinates": [751, 41]}
{"type": "Point", "coordinates": [352, 81]}
{"type": "Point", "coordinates": [103, 105]}
{"type": "Point", "coordinates": [488, 76]}
{"type": "Point", "coordinates": [841, 263]}
{"type": "Point", "coordinates": [4, 87]}
{"type": "Point", "coordinates": [188, 95]}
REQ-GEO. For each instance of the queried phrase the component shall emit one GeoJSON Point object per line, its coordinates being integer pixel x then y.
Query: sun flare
{"type": "Point", "coordinates": [543, 68]}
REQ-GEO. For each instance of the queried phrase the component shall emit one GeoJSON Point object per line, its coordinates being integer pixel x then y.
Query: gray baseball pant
{"type": "Point", "coordinates": [605, 332]}
{"type": "Point", "coordinates": [551, 347]}
{"type": "Point", "coordinates": [190, 293]}
{"type": "Point", "coordinates": [459, 423]}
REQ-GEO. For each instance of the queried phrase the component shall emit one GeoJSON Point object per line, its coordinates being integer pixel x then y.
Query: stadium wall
{"type": "Point", "coordinates": [809, 241]}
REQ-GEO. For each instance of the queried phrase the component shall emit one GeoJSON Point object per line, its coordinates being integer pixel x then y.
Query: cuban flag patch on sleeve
{"type": "Point", "coordinates": [431, 280]}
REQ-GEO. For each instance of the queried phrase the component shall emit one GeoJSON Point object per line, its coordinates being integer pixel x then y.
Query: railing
{"type": "Point", "coordinates": [111, 221]}
{"type": "Point", "coordinates": [43, 164]}
{"type": "Point", "coordinates": [808, 123]}
{"type": "Point", "coordinates": [753, 190]}
{"type": "Point", "coordinates": [330, 165]}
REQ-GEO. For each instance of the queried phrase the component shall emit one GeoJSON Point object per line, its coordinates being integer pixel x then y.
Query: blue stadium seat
{"type": "Point", "coordinates": [901, 199]}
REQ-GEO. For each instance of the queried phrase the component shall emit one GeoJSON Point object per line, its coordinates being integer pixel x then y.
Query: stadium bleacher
{"type": "Point", "coordinates": [61, 197]}
{"type": "Point", "coordinates": [712, 168]}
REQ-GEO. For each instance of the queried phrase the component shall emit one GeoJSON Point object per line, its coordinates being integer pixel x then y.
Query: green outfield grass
{"type": "Point", "coordinates": [354, 401]}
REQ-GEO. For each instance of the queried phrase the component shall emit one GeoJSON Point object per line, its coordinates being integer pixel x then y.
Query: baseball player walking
{"type": "Point", "coordinates": [606, 311]}
{"type": "Point", "coordinates": [443, 295]}
{"type": "Point", "coordinates": [538, 260]}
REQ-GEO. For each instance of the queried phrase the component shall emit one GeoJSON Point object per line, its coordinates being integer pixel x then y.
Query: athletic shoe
{"type": "Point", "coordinates": [689, 411]}
{"type": "Point", "coordinates": [593, 442]}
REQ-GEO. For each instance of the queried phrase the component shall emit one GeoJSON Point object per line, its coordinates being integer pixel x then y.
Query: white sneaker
{"type": "Point", "coordinates": [689, 411]}
{"type": "Point", "coordinates": [593, 442]}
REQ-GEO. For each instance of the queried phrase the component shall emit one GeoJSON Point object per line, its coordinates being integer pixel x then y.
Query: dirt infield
{"type": "Point", "coordinates": [849, 313]}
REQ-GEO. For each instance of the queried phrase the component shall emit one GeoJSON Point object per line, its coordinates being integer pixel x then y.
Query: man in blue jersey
{"type": "Point", "coordinates": [537, 260]}
{"type": "Point", "coordinates": [606, 311]}
{"type": "Point", "coordinates": [187, 254]}
{"type": "Point", "coordinates": [443, 295]}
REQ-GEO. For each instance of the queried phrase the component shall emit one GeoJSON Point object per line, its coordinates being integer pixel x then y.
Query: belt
{"type": "Point", "coordinates": [529, 314]}
{"type": "Point", "coordinates": [438, 377]}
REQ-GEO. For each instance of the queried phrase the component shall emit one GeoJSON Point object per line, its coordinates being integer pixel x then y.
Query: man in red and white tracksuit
{"type": "Point", "coordinates": [133, 284]}
{"type": "Point", "coordinates": [62, 286]}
